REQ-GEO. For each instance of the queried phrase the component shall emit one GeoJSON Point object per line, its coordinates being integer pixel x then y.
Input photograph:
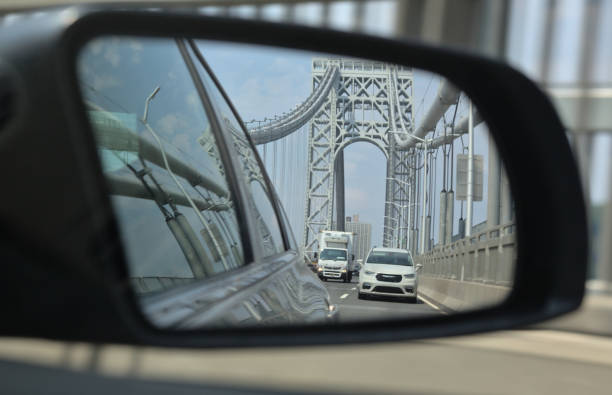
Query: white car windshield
{"type": "Point", "coordinates": [338, 255]}
{"type": "Point", "coordinates": [390, 258]}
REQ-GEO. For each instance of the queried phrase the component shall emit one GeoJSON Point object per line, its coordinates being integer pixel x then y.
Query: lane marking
{"type": "Point", "coordinates": [432, 305]}
{"type": "Point", "coordinates": [343, 296]}
{"type": "Point", "coordinates": [354, 288]}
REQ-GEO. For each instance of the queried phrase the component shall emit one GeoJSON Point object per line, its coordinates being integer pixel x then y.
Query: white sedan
{"type": "Point", "coordinates": [389, 272]}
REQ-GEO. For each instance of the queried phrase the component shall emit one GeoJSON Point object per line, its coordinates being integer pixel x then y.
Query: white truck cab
{"type": "Point", "coordinates": [335, 255]}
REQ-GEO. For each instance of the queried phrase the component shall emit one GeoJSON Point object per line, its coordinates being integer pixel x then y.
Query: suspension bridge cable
{"type": "Point", "coordinates": [425, 95]}
{"type": "Point", "coordinates": [444, 146]}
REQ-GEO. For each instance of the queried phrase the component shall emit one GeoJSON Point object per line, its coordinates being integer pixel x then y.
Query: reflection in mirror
{"type": "Point", "coordinates": [431, 227]}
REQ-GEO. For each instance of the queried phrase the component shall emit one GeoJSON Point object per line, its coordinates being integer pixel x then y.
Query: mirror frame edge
{"type": "Point", "coordinates": [560, 285]}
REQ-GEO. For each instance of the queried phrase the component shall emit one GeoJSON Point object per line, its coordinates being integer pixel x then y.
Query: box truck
{"type": "Point", "coordinates": [335, 255]}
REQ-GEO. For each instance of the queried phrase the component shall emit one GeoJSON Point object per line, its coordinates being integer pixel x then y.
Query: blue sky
{"type": "Point", "coordinates": [524, 51]}
{"type": "Point", "coordinates": [263, 82]}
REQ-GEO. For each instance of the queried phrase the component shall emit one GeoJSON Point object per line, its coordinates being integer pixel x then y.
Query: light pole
{"type": "Point", "coordinates": [470, 175]}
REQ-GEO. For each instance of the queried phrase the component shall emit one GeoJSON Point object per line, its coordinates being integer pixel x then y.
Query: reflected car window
{"type": "Point", "coordinates": [390, 258]}
{"type": "Point", "coordinates": [333, 254]}
{"type": "Point", "coordinates": [267, 222]}
{"type": "Point", "coordinates": [290, 235]}
{"type": "Point", "coordinates": [167, 181]}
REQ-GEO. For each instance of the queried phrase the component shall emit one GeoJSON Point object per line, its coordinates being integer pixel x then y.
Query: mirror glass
{"type": "Point", "coordinates": [255, 185]}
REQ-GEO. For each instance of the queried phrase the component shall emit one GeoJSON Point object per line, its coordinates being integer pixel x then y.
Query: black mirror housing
{"type": "Point", "coordinates": [49, 146]}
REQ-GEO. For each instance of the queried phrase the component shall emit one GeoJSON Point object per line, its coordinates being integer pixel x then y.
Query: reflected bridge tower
{"type": "Point", "coordinates": [365, 104]}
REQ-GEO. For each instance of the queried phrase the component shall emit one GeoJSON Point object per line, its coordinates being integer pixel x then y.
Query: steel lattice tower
{"type": "Point", "coordinates": [358, 108]}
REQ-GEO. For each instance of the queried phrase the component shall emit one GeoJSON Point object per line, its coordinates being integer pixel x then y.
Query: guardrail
{"type": "Point", "coordinates": [487, 257]}
{"type": "Point", "coordinates": [471, 273]}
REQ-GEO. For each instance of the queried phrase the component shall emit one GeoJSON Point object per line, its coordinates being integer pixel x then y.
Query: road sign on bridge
{"type": "Point", "coordinates": [462, 177]}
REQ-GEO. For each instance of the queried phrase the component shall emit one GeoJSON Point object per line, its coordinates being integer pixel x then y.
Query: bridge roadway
{"type": "Point", "coordinates": [351, 308]}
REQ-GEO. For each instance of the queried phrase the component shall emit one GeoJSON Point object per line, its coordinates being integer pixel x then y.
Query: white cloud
{"type": "Point", "coordinates": [136, 58]}
{"type": "Point", "coordinates": [104, 81]}
{"type": "Point", "coordinates": [136, 45]}
{"type": "Point", "coordinates": [193, 102]}
{"type": "Point", "coordinates": [112, 56]}
{"type": "Point", "coordinates": [183, 142]}
{"type": "Point", "coordinates": [358, 197]}
{"type": "Point", "coordinates": [349, 168]}
{"type": "Point", "coordinates": [96, 46]}
{"type": "Point", "coordinates": [172, 123]}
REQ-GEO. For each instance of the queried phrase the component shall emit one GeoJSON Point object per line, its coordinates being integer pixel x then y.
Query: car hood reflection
{"type": "Point", "coordinates": [391, 269]}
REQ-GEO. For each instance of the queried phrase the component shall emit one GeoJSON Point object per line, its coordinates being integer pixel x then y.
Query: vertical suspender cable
{"type": "Point", "coordinates": [285, 166]}
{"type": "Point", "coordinates": [424, 184]}
{"type": "Point", "coordinates": [470, 180]}
{"type": "Point", "coordinates": [433, 192]}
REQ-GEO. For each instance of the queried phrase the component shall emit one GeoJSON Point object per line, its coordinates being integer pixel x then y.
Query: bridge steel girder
{"type": "Point", "coordinates": [358, 108]}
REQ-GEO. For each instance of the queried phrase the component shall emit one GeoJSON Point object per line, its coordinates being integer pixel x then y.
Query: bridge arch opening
{"type": "Point", "coordinates": [365, 169]}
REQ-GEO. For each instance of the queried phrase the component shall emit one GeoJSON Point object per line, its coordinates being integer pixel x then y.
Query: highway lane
{"type": "Point", "coordinates": [351, 308]}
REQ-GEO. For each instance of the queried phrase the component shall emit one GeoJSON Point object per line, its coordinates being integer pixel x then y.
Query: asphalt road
{"type": "Point", "coordinates": [351, 308]}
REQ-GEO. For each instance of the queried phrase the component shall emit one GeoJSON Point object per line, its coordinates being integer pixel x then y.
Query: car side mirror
{"type": "Point", "coordinates": [161, 214]}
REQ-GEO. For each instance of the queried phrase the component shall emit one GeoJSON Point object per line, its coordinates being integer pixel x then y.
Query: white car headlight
{"type": "Point", "coordinates": [408, 276]}
{"type": "Point", "coordinates": [369, 273]}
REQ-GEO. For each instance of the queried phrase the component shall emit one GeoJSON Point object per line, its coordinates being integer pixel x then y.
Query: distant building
{"type": "Point", "coordinates": [363, 236]}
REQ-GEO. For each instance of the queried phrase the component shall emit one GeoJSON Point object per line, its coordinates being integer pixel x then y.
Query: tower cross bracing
{"type": "Point", "coordinates": [365, 103]}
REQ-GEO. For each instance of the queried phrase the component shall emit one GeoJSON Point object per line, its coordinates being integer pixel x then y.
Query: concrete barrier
{"type": "Point", "coordinates": [471, 273]}
{"type": "Point", "coordinates": [456, 295]}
